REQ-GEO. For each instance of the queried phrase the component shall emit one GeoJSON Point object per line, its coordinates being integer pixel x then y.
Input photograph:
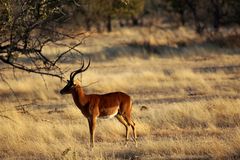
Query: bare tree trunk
{"type": "Point", "coordinates": [198, 24]}
{"type": "Point", "coordinates": [121, 23]}
{"type": "Point", "coordinates": [182, 17]}
{"type": "Point", "coordinates": [88, 23]}
{"type": "Point", "coordinates": [98, 27]}
{"type": "Point", "coordinates": [135, 21]}
{"type": "Point", "coordinates": [216, 14]}
{"type": "Point", "coordinates": [109, 23]}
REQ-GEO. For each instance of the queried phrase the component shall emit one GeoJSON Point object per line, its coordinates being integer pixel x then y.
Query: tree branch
{"type": "Point", "coordinates": [24, 68]}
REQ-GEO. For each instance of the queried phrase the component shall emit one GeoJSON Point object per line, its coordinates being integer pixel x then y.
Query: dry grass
{"type": "Point", "coordinates": [191, 94]}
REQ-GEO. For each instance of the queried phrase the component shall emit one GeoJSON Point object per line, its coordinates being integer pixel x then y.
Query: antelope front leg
{"type": "Point", "coordinates": [92, 126]}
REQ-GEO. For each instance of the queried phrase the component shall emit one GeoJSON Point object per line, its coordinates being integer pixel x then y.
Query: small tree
{"type": "Point", "coordinates": [26, 27]}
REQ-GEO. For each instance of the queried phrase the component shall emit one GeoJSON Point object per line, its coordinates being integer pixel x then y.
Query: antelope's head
{"type": "Point", "coordinates": [70, 83]}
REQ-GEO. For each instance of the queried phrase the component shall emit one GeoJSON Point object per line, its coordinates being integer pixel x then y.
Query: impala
{"type": "Point", "coordinates": [93, 106]}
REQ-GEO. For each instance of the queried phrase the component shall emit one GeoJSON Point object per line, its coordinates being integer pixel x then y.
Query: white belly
{"type": "Point", "coordinates": [109, 116]}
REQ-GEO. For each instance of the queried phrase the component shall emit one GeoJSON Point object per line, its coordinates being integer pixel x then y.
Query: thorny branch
{"type": "Point", "coordinates": [27, 27]}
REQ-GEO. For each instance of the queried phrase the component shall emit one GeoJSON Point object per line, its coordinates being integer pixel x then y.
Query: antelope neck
{"type": "Point", "coordinates": [78, 95]}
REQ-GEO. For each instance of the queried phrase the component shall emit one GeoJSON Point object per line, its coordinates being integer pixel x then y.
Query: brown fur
{"type": "Point", "coordinates": [95, 106]}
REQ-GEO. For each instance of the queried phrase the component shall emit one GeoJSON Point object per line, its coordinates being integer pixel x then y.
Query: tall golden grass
{"type": "Point", "coordinates": [190, 96]}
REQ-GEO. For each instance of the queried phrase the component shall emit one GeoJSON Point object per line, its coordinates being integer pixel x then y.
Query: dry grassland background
{"type": "Point", "coordinates": [185, 92]}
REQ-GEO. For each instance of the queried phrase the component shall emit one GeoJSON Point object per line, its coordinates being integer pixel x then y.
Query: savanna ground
{"type": "Point", "coordinates": [185, 90]}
